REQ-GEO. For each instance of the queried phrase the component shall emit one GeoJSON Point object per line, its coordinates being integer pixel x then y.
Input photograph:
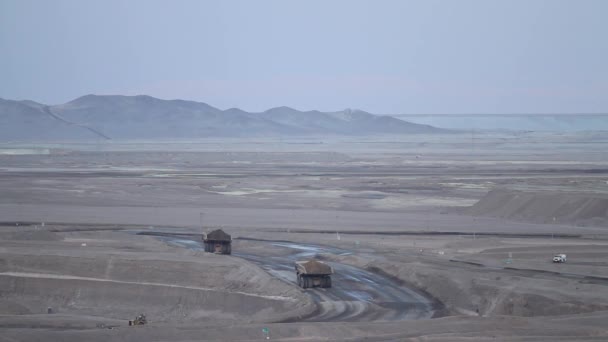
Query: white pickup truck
{"type": "Point", "coordinates": [559, 258]}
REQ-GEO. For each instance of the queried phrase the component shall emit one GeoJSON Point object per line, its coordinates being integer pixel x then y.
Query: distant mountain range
{"type": "Point", "coordinates": [513, 122]}
{"type": "Point", "coordinates": [144, 117]}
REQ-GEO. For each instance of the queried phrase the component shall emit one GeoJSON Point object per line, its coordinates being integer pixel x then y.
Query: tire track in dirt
{"type": "Point", "coordinates": [356, 295]}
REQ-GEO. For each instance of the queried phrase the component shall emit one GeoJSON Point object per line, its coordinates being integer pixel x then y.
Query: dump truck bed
{"type": "Point", "coordinates": [311, 267]}
{"type": "Point", "coordinates": [217, 235]}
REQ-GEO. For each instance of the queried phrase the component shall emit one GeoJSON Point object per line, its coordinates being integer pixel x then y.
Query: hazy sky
{"type": "Point", "coordinates": [451, 56]}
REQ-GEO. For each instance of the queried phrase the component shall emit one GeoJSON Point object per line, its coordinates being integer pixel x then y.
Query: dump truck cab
{"type": "Point", "coordinates": [313, 273]}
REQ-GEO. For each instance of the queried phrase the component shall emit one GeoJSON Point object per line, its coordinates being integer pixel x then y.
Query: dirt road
{"type": "Point", "coordinates": [356, 295]}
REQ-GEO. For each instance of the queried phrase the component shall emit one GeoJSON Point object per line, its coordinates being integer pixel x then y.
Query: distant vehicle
{"type": "Point", "coordinates": [559, 258]}
{"type": "Point", "coordinates": [139, 320]}
{"type": "Point", "coordinates": [313, 273]}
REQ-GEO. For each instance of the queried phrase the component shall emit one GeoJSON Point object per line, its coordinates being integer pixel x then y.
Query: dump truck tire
{"type": "Point", "coordinates": [301, 281]}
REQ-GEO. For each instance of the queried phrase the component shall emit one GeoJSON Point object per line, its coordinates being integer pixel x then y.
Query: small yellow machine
{"type": "Point", "coordinates": [139, 320]}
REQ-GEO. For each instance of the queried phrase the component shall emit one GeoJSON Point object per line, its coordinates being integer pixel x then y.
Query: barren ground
{"type": "Point", "coordinates": [421, 250]}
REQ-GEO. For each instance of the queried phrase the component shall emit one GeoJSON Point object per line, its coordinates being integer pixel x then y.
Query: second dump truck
{"type": "Point", "coordinates": [313, 273]}
{"type": "Point", "coordinates": [218, 242]}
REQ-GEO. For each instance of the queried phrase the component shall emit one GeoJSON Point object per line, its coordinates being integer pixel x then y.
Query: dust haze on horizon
{"type": "Point", "coordinates": [388, 57]}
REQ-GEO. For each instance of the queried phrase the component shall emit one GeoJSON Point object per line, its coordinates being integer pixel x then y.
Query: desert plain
{"type": "Point", "coordinates": [446, 237]}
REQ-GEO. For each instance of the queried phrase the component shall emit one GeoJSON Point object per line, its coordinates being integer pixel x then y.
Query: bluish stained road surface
{"type": "Point", "coordinates": [356, 295]}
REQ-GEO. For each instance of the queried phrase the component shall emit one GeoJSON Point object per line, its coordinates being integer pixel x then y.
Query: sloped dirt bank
{"type": "Point", "coordinates": [543, 207]}
{"type": "Point", "coordinates": [113, 276]}
{"type": "Point", "coordinates": [474, 291]}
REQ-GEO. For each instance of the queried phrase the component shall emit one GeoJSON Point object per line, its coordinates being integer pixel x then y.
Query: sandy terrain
{"type": "Point", "coordinates": [438, 240]}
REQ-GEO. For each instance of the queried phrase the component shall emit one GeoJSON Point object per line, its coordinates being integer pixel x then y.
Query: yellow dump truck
{"type": "Point", "coordinates": [313, 273]}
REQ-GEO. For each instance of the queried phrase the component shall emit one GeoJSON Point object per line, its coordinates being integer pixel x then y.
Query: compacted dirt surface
{"type": "Point", "coordinates": [431, 239]}
{"type": "Point", "coordinates": [357, 294]}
